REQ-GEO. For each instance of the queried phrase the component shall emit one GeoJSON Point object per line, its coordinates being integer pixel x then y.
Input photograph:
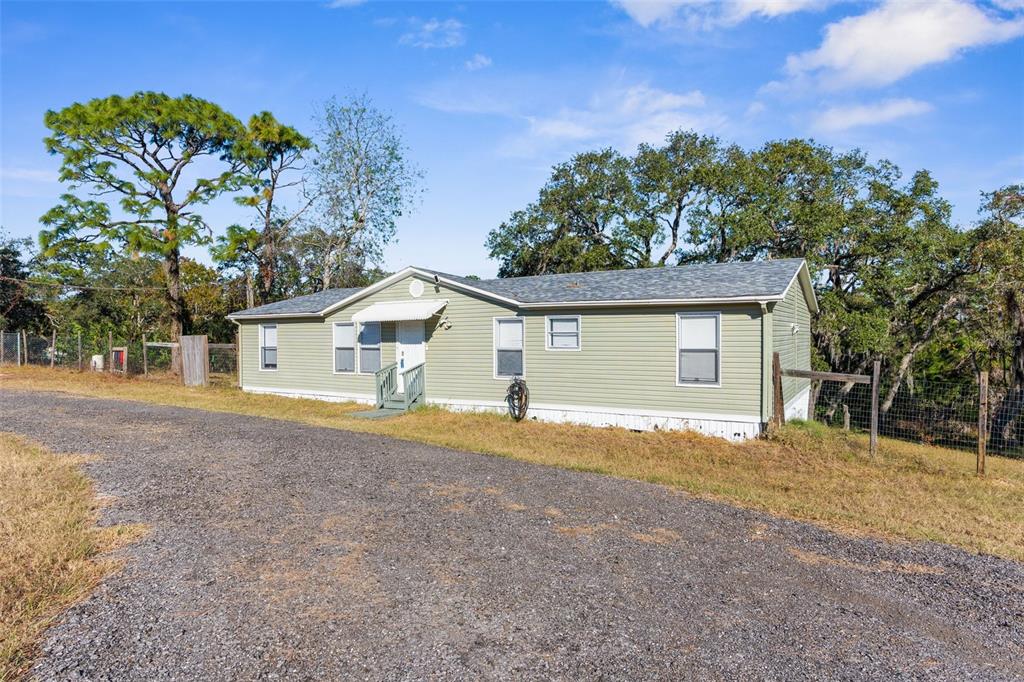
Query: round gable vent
{"type": "Point", "coordinates": [416, 288]}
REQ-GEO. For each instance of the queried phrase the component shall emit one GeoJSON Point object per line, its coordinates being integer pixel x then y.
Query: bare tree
{"type": "Point", "coordinates": [363, 182]}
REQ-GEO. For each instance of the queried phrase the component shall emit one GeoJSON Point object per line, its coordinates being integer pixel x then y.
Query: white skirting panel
{"type": "Point", "coordinates": [734, 427]}
{"type": "Point", "coordinates": [329, 396]}
{"type": "Point", "coordinates": [729, 426]}
{"type": "Point", "coordinates": [797, 407]}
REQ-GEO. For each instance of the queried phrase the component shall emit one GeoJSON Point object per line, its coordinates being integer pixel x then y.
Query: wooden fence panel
{"type": "Point", "coordinates": [195, 360]}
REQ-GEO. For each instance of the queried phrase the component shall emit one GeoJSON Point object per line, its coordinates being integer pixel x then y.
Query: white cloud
{"type": "Point", "coordinates": [621, 117]}
{"type": "Point", "coordinates": [897, 38]}
{"type": "Point", "coordinates": [650, 12]}
{"type": "Point", "coordinates": [477, 62]}
{"type": "Point", "coordinates": [707, 14]}
{"type": "Point", "coordinates": [28, 175]}
{"type": "Point", "coordinates": [440, 33]}
{"type": "Point", "coordinates": [836, 119]}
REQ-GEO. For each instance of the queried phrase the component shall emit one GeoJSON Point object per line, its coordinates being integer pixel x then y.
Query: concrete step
{"type": "Point", "coordinates": [381, 413]}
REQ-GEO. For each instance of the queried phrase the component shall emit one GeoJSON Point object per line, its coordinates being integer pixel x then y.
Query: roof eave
{"type": "Point", "coordinates": [270, 316]}
{"type": "Point", "coordinates": [652, 302]}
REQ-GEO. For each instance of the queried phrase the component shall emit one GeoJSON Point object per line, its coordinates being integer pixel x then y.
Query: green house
{"type": "Point", "coordinates": [686, 347]}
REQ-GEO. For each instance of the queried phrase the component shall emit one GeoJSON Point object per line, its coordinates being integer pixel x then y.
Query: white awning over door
{"type": "Point", "coordinates": [400, 310]}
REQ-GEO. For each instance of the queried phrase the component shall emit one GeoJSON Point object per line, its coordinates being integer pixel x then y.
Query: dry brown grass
{"type": "Point", "coordinates": [50, 546]}
{"type": "Point", "coordinates": [809, 472]}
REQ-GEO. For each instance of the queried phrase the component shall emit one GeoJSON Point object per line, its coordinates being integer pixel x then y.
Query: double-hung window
{"type": "Point", "coordinates": [369, 347]}
{"type": "Point", "coordinates": [344, 347]}
{"type": "Point", "coordinates": [268, 346]}
{"type": "Point", "coordinates": [563, 332]}
{"type": "Point", "coordinates": [699, 348]}
{"type": "Point", "coordinates": [508, 347]}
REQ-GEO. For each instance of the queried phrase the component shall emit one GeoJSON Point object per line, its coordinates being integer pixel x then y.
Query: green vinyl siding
{"type": "Point", "coordinates": [794, 349]}
{"type": "Point", "coordinates": [627, 357]}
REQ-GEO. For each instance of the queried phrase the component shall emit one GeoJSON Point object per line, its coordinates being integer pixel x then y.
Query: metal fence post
{"type": "Point", "coordinates": [79, 350]}
{"type": "Point", "coordinates": [1, 346]}
{"type": "Point", "coordinates": [53, 347]}
{"type": "Point", "coordinates": [982, 420]}
{"type": "Point", "coordinates": [145, 358]}
{"type": "Point", "coordinates": [874, 407]}
{"type": "Point", "coordinates": [24, 344]}
{"type": "Point", "coordinates": [110, 352]}
{"type": "Point", "coordinates": [17, 348]}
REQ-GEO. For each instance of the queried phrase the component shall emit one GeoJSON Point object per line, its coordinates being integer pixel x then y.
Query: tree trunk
{"type": "Point", "coordinates": [1011, 409]}
{"type": "Point", "coordinates": [250, 295]}
{"type": "Point", "coordinates": [901, 373]}
{"type": "Point", "coordinates": [179, 313]}
{"type": "Point", "coordinates": [268, 260]}
{"type": "Point", "coordinates": [843, 392]}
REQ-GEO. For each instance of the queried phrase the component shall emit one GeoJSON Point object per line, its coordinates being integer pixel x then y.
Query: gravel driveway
{"type": "Point", "coordinates": [283, 550]}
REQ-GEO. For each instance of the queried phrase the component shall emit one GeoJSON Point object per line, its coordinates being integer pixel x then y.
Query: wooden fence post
{"type": "Point", "coordinates": [982, 420]}
{"type": "Point", "coordinates": [778, 407]}
{"type": "Point", "coordinates": [79, 350]}
{"type": "Point", "coordinates": [875, 371]}
{"type": "Point", "coordinates": [811, 395]}
{"type": "Point", "coordinates": [110, 352]}
{"type": "Point", "coordinates": [846, 417]}
{"type": "Point", "coordinates": [145, 357]}
{"type": "Point", "coordinates": [53, 347]}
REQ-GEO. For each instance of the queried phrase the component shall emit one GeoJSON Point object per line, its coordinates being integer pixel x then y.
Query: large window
{"type": "Point", "coordinates": [563, 332]}
{"type": "Point", "coordinates": [268, 346]}
{"type": "Point", "coordinates": [369, 347]}
{"type": "Point", "coordinates": [699, 348]}
{"type": "Point", "coordinates": [508, 347]}
{"type": "Point", "coordinates": [344, 347]}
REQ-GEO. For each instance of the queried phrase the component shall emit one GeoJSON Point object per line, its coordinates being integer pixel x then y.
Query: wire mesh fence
{"type": "Point", "coordinates": [107, 353]}
{"type": "Point", "coordinates": [940, 413]}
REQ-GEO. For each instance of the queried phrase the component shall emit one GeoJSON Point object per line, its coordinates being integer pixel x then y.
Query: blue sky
{"type": "Point", "coordinates": [490, 95]}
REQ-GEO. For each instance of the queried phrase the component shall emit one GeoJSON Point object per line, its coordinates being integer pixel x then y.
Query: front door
{"type": "Point", "coordinates": [410, 349]}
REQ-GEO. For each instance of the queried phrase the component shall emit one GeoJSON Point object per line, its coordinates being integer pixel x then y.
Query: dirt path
{"type": "Point", "coordinates": [280, 549]}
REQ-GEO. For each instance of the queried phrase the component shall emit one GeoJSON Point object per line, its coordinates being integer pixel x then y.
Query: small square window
{"type": "Point", "coordinates": [563, 333]}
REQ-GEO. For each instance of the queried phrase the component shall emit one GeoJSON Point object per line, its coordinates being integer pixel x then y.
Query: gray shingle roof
{"type": "Point", "coordinates": [711, 281]}
{"type": "Point", "coordinates": [758, 279]}
{"type": "Point", "coordinates": [311, 303]}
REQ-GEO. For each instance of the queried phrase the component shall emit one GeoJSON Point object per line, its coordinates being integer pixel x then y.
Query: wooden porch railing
{"type": "Point", "coordinates": [386, 379]}
{"type": "Point", "coordinates": [414, 379]}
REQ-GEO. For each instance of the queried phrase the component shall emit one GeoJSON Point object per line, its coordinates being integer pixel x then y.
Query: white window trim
{"type": "Point", "coordinates": [355, 348]}
{"type": "Point", "coordinates": [494, 345]}
{"type": "Point", "coordinates": [260, 347]}
{"type": "Point", "coordinates": [579, 333]}
{"type": "Point", "coordinates": [704, 313]}
{"type": "Point", "coordinates": [359, 347]}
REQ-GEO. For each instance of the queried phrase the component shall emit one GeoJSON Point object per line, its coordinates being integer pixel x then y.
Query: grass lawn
{"type": "Point", "coordinates": [50, 547]}
{"type": "Point", "coordinates": [807, 472]}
